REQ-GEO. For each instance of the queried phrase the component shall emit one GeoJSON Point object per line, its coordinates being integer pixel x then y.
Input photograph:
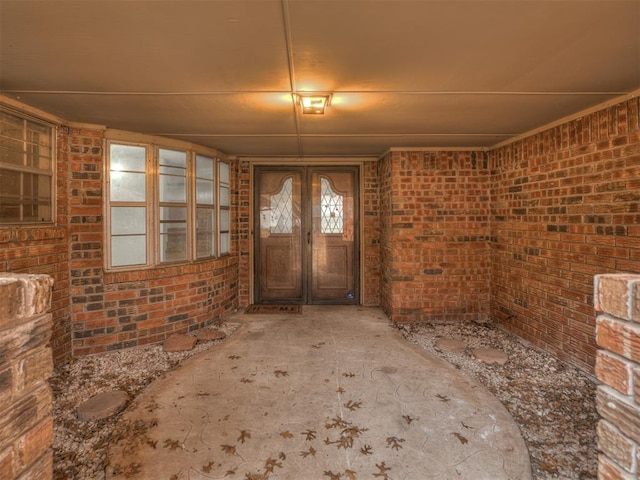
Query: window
{"type": "Point", "coordinates": [166, 205]}
{"type": "Point", "coordinates": [128, 205]}
{"type": "Point", "coordinates": [225, 203]}
{"type": "Point", "coordinates": [26, 169]}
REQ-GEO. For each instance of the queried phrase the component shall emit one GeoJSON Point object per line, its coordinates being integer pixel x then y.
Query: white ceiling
{"type": "Point", "coordinates": [403, 73]}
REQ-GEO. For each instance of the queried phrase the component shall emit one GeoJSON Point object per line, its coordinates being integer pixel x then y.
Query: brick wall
{"type": "Point", "coordinates": [94, 311]}
{"type": "Point", "coordinates": [385, 188]}
{"type": "Point", "coordinates": [565, 207]}
{"type": "Point", "coordinates": [44, 250]}
{"type": "Point", "coordinates": [434, 209]}
{"type": "Point", "coordinates": [244, 236]}
{"type": "Point", "coordinates": [371, 234]}
{"type": "Point", "coordinates": [617, 300]}
{"type": "Point", "coordinates": [26, 421]}
{"type": "Point", "coordinates": [113, 310]}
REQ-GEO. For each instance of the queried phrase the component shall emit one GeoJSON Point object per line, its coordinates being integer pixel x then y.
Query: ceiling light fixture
{"type": "Point", "coordinates": [313, 104]}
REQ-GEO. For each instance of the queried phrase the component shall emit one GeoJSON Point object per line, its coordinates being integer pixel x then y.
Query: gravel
{"type": "Point", "coordinates": [552, 402]}
{"type": "Point", "coordinates": [80, 448]}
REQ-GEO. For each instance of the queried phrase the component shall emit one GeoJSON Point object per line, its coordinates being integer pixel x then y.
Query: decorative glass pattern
{"type": "Point", "coordinates": [331, 209]}
{"type": "Point", "coordinates": [282, 209]}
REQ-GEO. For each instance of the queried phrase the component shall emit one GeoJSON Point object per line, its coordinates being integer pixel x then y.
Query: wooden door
{"type": "Point", "coordinates": [278, 233]}
{"type": "Point", "coordinates": [305, 235]}
{"type": "Point", "coordinates": [333, 235]}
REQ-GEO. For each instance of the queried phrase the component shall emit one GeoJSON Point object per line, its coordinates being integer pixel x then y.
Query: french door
{"type": "Point", "coordinates": [306, 235]}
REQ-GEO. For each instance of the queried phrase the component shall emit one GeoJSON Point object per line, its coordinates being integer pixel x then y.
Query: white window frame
{"type": "Point", "coordinates": [48, 174]}
{"type": "Point", "coordinates": [152, 204]}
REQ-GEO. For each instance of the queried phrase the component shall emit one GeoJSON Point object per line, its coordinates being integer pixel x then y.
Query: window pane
{"type": "Point", "coordinates": [204, 192]}
{"type": "Point", "coordinates": [10, 183]}
{"type": "Point", "coordinates": [281, 219]}
{"type": "Point", "coordinates": [128, 220]}
{"type": "Point", "coordinates": [224, 196]}
{"type": "Point", "coordinates": [204, 167]}
{"type": "Point", "coordinates": [173, 189]}
{"type": "Point", "coordinates": [173, 176]}
{"type": "Point", "coordinates": [11, 125]}
{"type": "Point", "coordinates": [173, 234]}
{"type": "Point", "coordinates": [128, 250]}
{"type": "Point", "coordinates": [9, 211]}
{"type": "Point", "coordinates": [224, 173]}
{"type": "Point", "coordinates": [38, 146]}
{"type": "Point", "coordinates": [130, 158]}
{"type": "Point", "coordinates": [173, 214]}
{"type": "Point", "coordinates": [224, 243]}
{"type": "Point", "coordinates": [331, 208]}
{"type": "Point", "coordinates": [11, 151]}
{"type": "Point", "coordinates": [39, 135]}
{"type": "Point", "coordinates": [127, 187]}
{"type": "Point", "coordinates": [173, 158]}
{"type": "Point", "coordinates": [204, 232]}
{"type": "Point", "coordinates": [224, 220]}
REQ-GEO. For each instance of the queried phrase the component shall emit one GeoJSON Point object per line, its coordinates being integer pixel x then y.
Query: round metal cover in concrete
{"type": "Point", "coordinates": [102, 405]}
{"type": "Point", "coordinates": [333, 393]}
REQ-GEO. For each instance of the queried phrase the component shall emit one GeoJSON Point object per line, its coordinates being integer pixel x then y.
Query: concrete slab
{"type": "Point", "coordinates": [491, 355]}
{"type": "Point", "coordinates": [451, 345]}
{"type": "Point", "coordinates": [333, 393]}
{"type": "Point", "coordinates": [102, 405]}
{"type": "Point", "coordinates": [209, 334]}
{"type": "Point", "coordinates": [179, 343]}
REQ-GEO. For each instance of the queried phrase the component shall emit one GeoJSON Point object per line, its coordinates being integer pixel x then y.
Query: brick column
{"type": "Point", "coordinates": [26, 363]}
{"type": "Point", "coordinates": [617, 301]}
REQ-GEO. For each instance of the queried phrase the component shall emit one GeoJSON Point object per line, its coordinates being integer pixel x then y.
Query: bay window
{"type": "Point", "coordinates": [165, 205]}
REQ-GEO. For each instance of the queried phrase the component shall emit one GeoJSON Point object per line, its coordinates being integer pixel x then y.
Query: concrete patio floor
{"type": "Point", "coordinates": [332, 393]}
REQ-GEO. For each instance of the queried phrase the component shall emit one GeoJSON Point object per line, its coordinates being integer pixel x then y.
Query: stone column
{"type": "Point", "coordinates": [26, 363]}
{"type": "Point", "coordinates": [617, 301]}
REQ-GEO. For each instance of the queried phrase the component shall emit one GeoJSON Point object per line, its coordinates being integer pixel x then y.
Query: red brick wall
{"type": "Point", "coordinates": [385, 188]}
{"type": "Point", "coordinates": [565, 207]}
{"type": "Point", "coordinates": [435, 236]}
{"type": "Point", "coordinates": [94, 311]}
{"type": "Point", "coordinates": [123, 309]}
{"type": "Point", "coordinates": [44, 250]}
{"type": "Point", "coordinates": [244, 229]}
{"type": "Point", "coordinates": [371, 234]}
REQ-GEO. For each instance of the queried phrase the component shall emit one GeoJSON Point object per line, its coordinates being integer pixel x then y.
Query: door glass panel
{"type": "Point", "coordinates": [331, 212]}
{"type": "Point", "coordinates": [281, 213]}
